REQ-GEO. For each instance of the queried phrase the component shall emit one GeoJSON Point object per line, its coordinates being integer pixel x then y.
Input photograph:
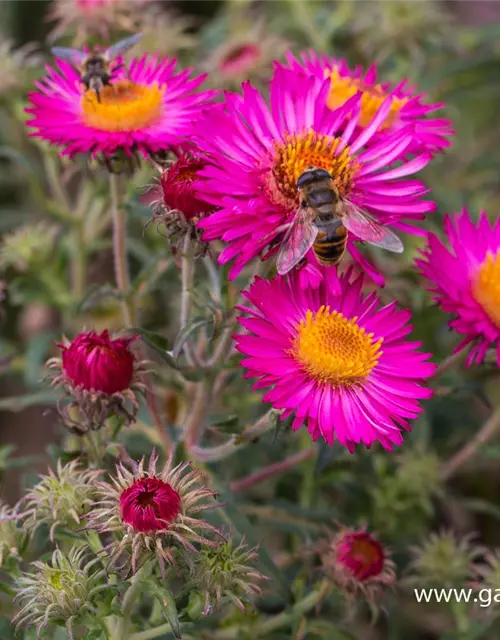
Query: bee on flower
{"type": "Point", "coordinates": [140, 109]}
{"type": "Point", "coordinates": [256, 154]}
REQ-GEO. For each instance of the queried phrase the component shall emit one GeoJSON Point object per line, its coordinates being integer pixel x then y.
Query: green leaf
{"type": "Point", "coordinates": [36, 354]}
{"type": "Point", "coordinates": [19, 403]}
{"type": "Point", "coordinates": [481, 506]}
{"type": "Point", "coordinates": [183, 336]}
{"type": "Point", "coordinates": [167, 602]}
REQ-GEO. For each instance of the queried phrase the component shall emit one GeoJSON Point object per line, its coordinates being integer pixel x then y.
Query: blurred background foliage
{"type": "Point", "coordinates": [450, 50]}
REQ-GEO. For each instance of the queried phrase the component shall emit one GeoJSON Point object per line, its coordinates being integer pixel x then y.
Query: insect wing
{"type": "Point", "coordinates": [368, 229]}
{"type": "Point", "coordinates": [120, 47]}
{"type": "Point", "coordinates": [298, 239]}
{"type": "Point", "coordinates": [72, 55]}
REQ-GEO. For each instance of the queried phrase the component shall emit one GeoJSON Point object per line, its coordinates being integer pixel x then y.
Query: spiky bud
{"type": "Point", "coordinates": [29, 247]}
{"type": "Point", "coordinates": [402, 496]}
{"type": "Point", "coordinates": [61, 498]}
{"type": "Point", "coordinates": [226, 572]}
{"type": "Point", "coordinates": [59, 591]}
{"type": "Point", "coordinates": [152, 513]}
{"type": "Point", "coordinates": [444, 560]}
{"type": "Point", "coordinates": [11, 535]}
{"type": "Point", "coordinates": [101, 376]}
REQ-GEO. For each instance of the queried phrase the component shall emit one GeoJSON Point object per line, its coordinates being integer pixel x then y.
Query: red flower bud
{"type": "Point", "coordinates": [178, 188]}
{"type": "Point", "coordinates": [95, 362]}
{"type": "Point", "coordinates": [149, 504]}
{"type": "Point", "coordinates": [360, 554]}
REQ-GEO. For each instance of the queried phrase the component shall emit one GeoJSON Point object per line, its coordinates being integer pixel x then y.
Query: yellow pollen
{"type": "Point", "coordinates": [334, 349]}
{"type": "Point", "coordinates": [296, 153]}
{"type": "Point", "coordinates": [342, 88]}
{"type": "Point", "coordinates": [486, 287]}
{"type": "Point", "coordinates": [123, 106]}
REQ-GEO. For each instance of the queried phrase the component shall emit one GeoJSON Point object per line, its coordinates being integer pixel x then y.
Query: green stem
{"type": "Point", "coordinates": [277, 622]}
{"type": "Point", "coordinates": [120, 249]}
{"type": "Point", "coordinates": [487, 431]}
{"type": "Point", "coordinates": [79, 262]}
{"type": "Point", "coordinates": [121, 631]}
{"type": "Point", "coordinates": [187, 275]}
{"type": "Point", "coordinates": [152, 633]}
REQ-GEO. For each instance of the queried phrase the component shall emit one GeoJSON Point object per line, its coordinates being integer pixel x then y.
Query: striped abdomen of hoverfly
{"type": "Point", "coordinates": [331, 242]}
{"type": "Point", "coordinates": [320, 195]}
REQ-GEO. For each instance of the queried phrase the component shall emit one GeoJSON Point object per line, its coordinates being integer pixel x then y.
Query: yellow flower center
{"type": "Point", "coordinates": [299, 151]}
{"type": "Point", "coordinates": [342, 88]}
{"type": "Point", "coordinates": [123, 106]}
{"type": "Point", "coordinates": [486, 287]}
{"type": "Point", "coordinates": [334, 349]}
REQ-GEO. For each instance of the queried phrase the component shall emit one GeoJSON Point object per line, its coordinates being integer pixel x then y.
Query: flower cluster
{"type": "Point", "coordinates": [304, 173]}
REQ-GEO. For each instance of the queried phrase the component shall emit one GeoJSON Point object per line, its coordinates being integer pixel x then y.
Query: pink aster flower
{"type": "Point", "coordinates": [407, 106]}
{"type": "Point", "coordinates": [337, 361]}
{"type": "Point", "coordinates": [258, 152]}
{"type": "Point", "coordinates": [465, 280]}
{"type": "Point", "coordinates": [101, 375]}
{"type": "Point", "coordinates": [148, 108]}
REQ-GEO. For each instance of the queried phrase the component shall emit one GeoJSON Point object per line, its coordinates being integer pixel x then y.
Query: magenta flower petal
{"type": "Point", "coordinates": [257, 152]}
{"type": "Point", "coordinates": [148, 108]}
{"type": "Point", "coordinates": [335, 358]}
{"type": "Point", "coordinates": [464, 280]}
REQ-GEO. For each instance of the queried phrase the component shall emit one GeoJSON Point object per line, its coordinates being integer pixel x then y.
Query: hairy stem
{"type": "Point", "coordinates": [213, 454]}
{"type": "Point", "coordinates": [120, 249]}
{"type": "Point", "coordinates": [79, 262]}
{"type": "Point", "coordinates": [487, 431]}
{"type": "Point", "coordinates": [281, 620]}
{"type": "Point", "coordinates": [193, 426]}
{"type": "Point", "coordinates": [149, 634]}
{"type": "Point", "coordinates": [451, 362]}
{"type": "Point", "coordinates": [187, 275]}
{"type": "Point", "coordinates": [243, 484]}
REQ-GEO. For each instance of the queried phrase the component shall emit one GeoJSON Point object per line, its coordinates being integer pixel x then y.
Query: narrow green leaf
{"type": "Point", "coordinates": [167, 602]}
{"type": "Point", "coordinates": [19, 403]}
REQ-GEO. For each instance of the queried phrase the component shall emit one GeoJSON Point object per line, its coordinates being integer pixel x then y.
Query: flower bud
{"type": "Point", "coordinates": [11, 535]}
{"type": "Point", "coordinates": [247, 54]}
{"type": "Point", "coordinates": [153, 513]}
{"type": "Point", "coordinates": [177, 203]}
{"type": "Point", "coordinates": [402, 496]}
{"type": "Point", "coordinates": [444, 560]}
{"type": "Point", "coordinates": [61, 498]}
{"type": "Point", "coordinates": [28, 248]}
{"type": "Point", "coordinates": [226, 573]}
{"type": "Point", "coordinates": [355, 560]}
{"type": "Point", "coordinates": [101, 375]}
{"type": "Point", "coordinates": [58, 591]}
